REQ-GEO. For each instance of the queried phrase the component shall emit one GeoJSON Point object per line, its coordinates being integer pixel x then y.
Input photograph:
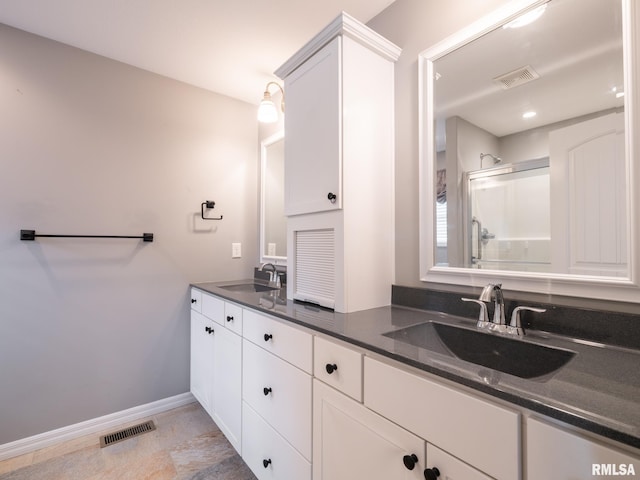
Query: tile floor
{"type": "Point", "coordinates": [186, 445]}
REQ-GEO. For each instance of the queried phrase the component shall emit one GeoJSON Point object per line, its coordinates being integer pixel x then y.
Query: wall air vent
{"type": "Point", "coordinates": [121, 435]}
{"type": "Point", "coordinates": [517, 77]}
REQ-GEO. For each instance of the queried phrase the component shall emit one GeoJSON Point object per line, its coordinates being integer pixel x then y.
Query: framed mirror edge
{"type": "Point", "coordinates": [270, 140]}
{"type": "Point", "coordinates": [601, 287]}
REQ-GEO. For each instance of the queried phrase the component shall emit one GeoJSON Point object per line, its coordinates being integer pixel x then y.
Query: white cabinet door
{"type": "Point", "coordinates": [202, 358]}
{"type": "Point", "coordinates": [313, 141]}
{"type": "Point", "coordinates": [555, 453]}
{"type": "Point", "coordinates": [227, 391]}
{"type": "Point", "coordinates": [352, 442]}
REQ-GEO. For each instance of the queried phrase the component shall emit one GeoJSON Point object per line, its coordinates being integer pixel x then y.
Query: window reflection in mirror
{"type": "Point", "coordinates": [273, 227]}
{"type": "Point", "coordinates": [552, 88]}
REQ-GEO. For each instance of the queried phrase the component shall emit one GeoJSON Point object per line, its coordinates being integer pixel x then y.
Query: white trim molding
{"type": "Point", "coordinates": [89, 427]}
{"type": "Point", "coordinates": [343, 24]}
{"type": "Point", "coordinates": [601, 287]}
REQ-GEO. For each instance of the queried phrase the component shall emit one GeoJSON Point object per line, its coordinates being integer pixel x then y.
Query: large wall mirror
{"type": "Point", "coordinates": [529, 168]}
{"type": "Point", "coordinates": [273, 226]}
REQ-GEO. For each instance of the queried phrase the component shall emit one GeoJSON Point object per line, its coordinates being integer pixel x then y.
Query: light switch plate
{"type": "Point", "coordinates": [236, 250]}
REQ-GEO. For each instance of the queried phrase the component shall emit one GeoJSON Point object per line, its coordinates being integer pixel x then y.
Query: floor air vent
{"type": "Point", "coordinates": [121, 435]}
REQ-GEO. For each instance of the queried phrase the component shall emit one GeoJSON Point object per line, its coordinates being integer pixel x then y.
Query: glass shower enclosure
{"type": "Point", "coordinates": [507, 217]}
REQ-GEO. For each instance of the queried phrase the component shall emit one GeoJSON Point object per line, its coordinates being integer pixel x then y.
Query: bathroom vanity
{"type": "Point", "coordinates": [327, 395]}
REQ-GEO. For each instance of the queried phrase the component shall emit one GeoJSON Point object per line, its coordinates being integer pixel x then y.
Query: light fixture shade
{"type": "Point", "coordinates": [267, 112]}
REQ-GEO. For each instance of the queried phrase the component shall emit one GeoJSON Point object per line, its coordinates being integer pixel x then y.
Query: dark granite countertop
{"type": "Point", "coordinates": [598, 390]}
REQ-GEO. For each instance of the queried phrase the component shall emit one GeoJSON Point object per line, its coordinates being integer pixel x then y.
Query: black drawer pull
{"type": "Point", "coordinates": [193, 300]}
{"type": "Point", "coordinates": [267, 337]}
{"type": "Point", "coordinates": [266, 462]}
{"type": "Point", "coordinates": [229, 318]}
{"type": "Point", "coordinates": [431, 473]}
{"type": "Point", "coordinates": [410, 461]}
{"type": "Point", "coordinates": [331, 367]}
{"type": "Point", "coordinates": [266, 391]}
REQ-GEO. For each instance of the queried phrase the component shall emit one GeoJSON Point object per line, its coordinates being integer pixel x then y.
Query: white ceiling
{"type": "Point", "coordinates": [230, 47]}
{"type": "Point", "coordinates": [575, 47]}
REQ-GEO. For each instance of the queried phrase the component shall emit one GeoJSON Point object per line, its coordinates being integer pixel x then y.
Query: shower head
{"type": "Point", "coordinates": [495, 158]}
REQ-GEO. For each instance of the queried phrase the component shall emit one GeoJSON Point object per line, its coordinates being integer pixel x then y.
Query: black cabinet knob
{"type": "Point", "coordinates": [410, 461]}
{"type": "Point", "coordinates": [267, 337]}
{"type": "Point", "coordinates": [331, 367]}
{"type": "Point", "coordinates": [229, 318]}
{"type": "Point", "coordinates": [266, 391]}
{"type": "Point", "coordinates": [431, 473]}
{"type": "Point", "coordinates": [209, 330]}
{"type": "Point", "coordinates": [193, 300]}
{"type": "Point", "coordinates": [266, 462]}
{"type": "Point", "coordinates": [332, 197]}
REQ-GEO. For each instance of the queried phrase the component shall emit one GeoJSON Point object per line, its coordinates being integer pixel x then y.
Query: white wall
{"type": "Point", "coordinates": [92, 146]}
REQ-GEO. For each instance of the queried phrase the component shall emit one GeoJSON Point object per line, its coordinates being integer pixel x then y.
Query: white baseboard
{"type": "Point", "coordinates": [52, 437]}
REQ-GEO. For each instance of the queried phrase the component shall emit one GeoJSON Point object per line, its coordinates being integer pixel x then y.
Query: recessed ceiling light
{"type": "Point", "coordinates": [526, 18]}
{"type": "Point", "coordinates": [529, 114]}
{"type": "Point", "coordinates": [619, 94]}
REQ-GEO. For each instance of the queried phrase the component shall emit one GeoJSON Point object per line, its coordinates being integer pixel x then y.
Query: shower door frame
{"type": "Point", "coordinates": [467, 214]}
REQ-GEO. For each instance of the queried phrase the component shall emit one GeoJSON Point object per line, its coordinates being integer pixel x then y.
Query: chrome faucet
{"type": "Point", "coordinates": [274, 278]}
{"type": "Point", "coordinates": [493, 291]}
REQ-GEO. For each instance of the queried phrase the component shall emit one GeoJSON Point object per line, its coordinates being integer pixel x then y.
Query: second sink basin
{"type": "Point", "coordinates": [498, 352]}
{"type": "Point", "coordinates": [248, 287]}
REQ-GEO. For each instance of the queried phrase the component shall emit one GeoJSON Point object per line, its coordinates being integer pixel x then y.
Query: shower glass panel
{"type": "Point", "coordinates": [508, 217]}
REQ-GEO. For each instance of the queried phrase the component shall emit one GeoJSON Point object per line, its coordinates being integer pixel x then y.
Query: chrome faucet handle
{"type": "Point", "coordinates": [515, 326]}
{"type": "Point", "coordinates": [493, 291]}
{"type": "Point", "coordinates": [483, 317]}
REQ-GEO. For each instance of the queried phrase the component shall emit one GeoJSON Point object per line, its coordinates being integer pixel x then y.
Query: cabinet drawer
{"type": "Point", "coordinates": [451, 468]}
{"type": "Point", "coordinates": [338, 366]}
{"type": "Point", "coordinates": [562, 455]}
{"type": "Point", "coordinates": [233, 317]}
{"type": "Point", "coordinates": [280, 393]}
{"type": "Point", "coordinates": [288, 343]}
{"type": "Point", "coordinates": [457, 422]}
{"type": "Point", "coordinates": [196, 300]}
{"type": "Point", "coordinates": [269, 455]}
{"type": "Point", "coordinates": [213, 308]}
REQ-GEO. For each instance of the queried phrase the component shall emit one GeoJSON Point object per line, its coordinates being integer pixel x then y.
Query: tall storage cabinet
{"type": "Point", "coordinates": [339, 151]}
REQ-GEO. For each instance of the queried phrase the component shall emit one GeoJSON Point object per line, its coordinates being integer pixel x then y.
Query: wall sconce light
{"type": "Point", "coordinates": [267, 112]}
